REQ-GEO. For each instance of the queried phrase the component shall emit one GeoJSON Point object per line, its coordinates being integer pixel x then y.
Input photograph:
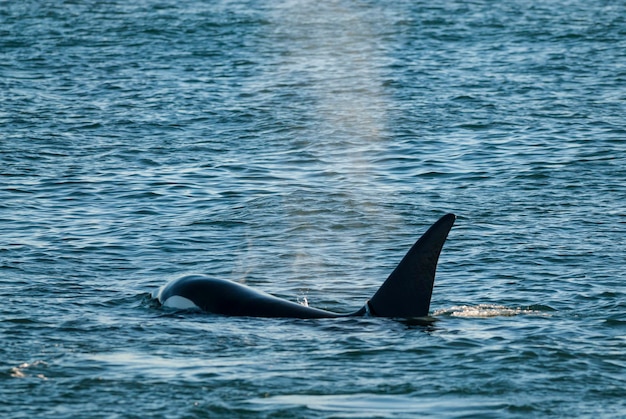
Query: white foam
{"type": "Point", "coordinates": [483, 310]}
{"type": "Point", "coordinates": [157, 293]}
{"type": "Point", "coordinates": [180, 303]}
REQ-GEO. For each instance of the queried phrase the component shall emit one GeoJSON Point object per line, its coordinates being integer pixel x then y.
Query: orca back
{"type": "Point", "coordinates": [406, 293]}
{"type": "Point", "coordinates": [221, 296]}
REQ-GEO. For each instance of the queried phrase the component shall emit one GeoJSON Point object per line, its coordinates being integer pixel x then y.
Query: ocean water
{"type": "Point", "coordinates": [301, 147]}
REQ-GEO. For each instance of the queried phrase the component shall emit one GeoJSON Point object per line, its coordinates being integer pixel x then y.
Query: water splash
{"type": "Point", "coordinates": [21, 370]}
{"type": "Point", "coordinates": [487, 310]}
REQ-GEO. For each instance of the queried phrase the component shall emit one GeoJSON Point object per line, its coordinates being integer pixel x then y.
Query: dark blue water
{"type": "Point", "coordinates": [300, 148]}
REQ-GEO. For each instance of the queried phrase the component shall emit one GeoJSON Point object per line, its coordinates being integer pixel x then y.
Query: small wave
{"type": "Point", "coordinates": [20, 370]}
{"type": "Point", "coordinates": [486, 310]}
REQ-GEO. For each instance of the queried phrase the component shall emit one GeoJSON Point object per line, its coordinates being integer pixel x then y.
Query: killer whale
{"type": "Point", "coordinates": [406, 293]}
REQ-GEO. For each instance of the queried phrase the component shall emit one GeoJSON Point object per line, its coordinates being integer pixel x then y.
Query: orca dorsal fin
{"type": "Point", "coordinates": [407, 291]}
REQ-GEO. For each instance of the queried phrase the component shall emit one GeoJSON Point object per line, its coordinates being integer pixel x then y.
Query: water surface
{"type": "Point", "coordinates": [301, 148]}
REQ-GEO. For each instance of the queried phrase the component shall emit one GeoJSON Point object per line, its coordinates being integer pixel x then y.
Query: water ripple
{"type": "Point", "coordinates": [301, 148]}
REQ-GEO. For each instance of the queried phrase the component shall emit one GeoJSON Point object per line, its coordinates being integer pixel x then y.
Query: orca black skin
{"type": "Point", "coordinates": [405, 294]}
